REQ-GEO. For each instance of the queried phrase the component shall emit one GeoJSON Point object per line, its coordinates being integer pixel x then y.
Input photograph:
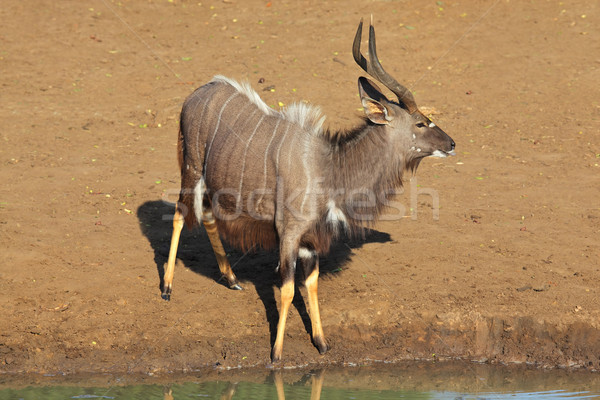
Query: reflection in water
{"type": "Point", "coordinates": [381, 382]}
{"type": "Point", "coordinates": [316, 384]}
{"type": "Point", "coordinates": [229, 391]}
{"type": "Point", "coordinates": [167, 393]}
{"type": "Point", "coordinates": [227, 394]}
{"type": "Point", "coordinates": [391, 382]}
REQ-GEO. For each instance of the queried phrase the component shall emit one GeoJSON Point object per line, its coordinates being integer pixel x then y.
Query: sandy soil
{"type": "Point", "coordinates": [91, 94]}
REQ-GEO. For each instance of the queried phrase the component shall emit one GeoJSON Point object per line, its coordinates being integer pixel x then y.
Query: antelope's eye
{"type": "Point", "coordinates": [421, 125]}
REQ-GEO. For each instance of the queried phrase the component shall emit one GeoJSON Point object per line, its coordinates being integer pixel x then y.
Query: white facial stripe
{"type": "Point", "coordinates": [431, 125]}
{"type": "Point", "coordinates": [439, 153]}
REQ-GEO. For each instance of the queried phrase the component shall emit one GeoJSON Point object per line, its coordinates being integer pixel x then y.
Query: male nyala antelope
{"type": "Point", "coordinates": [263, 179]}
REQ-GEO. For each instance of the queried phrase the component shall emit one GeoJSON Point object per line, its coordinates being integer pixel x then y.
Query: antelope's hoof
{"type": "Point", "coordinates": [275, 359]}
{"type": "Point", "coordinates": [321, 345]}
{"type": "Point", "coordinates": [235, 286]}
{"type": "Point", "coordinates": [166, 293]}
{"type": "Point", "coordinates": [323, 350]}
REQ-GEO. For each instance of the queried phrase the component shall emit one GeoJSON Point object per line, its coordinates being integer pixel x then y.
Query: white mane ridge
{"type": "Point", "coordinates": [307, 116]}
{"type": "Point", "coordinates": [246, 90]}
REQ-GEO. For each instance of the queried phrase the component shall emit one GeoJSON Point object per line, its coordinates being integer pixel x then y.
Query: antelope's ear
{"type": "Point", "coordinates": [373, 102]}
{"type": "Point", "coordinates": [375, 111]}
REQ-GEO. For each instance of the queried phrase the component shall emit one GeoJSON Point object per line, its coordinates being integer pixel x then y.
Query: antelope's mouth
{"type": "Point", "coordinates": [442, 154]}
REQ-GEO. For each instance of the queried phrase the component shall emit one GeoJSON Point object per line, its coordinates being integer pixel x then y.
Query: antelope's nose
{"type": "Point", "coordinates": [452, 145]}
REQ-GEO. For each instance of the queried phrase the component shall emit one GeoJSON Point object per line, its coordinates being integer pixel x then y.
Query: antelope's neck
{"type": "Point", "coordinates": [365, 164]}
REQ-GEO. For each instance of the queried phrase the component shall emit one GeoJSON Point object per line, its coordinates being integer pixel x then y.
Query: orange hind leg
{"type": "Point", "coordinates": [210, 224]}
{"type": "Point", "coordinates": [213, 234]}
{"type": "Point", "coordinates": [170, 271]}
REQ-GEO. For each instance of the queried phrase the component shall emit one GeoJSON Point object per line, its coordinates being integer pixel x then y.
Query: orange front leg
{"type": "Point", "coordinates": [287, 295]}
{"type": "Point", "coordinates": [312, 284]}
{"type": "Point", "coordinates": [310, 263]}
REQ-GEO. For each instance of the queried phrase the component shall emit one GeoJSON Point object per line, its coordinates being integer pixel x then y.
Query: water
{"type": "Point", "coordinates": [448, 381]}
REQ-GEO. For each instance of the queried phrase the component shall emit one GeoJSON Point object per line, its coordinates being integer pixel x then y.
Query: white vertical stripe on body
{"type": "Point", "coordinates": [200, 119]}
{"type": "Point", "coordinates": [291, 152]}
{"type": "Point", "coordinates": [239, 114]}
{"type": "Point", "coordinates": [217, 127]}
{"type": "Point", "coordinates": [264, 184]}
{"type": "Point", "coordinates": [287, 129]}
{"type": "Point", "coordinates": [245, 154]}
{"type": "Point", "coordinates": [308, 178]}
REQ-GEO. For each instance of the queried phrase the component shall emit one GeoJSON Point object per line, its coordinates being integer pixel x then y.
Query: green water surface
{"type": "Point", "coordinates": [414, 381]}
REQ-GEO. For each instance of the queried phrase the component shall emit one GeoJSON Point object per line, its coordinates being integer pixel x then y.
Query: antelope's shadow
{"type": "Point", "coordinates": [258, 268]}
